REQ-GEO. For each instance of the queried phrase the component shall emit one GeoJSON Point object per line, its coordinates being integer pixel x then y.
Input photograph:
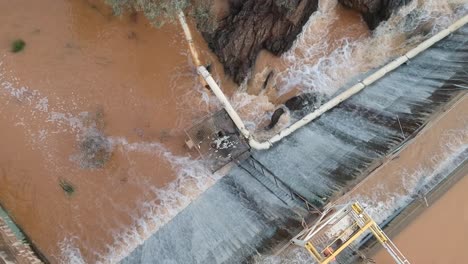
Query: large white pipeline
{"type": "Point", "coordinates": [330, 104]}
{"type": "Point", "coordinates": [224, 101]}
{"type": "Point", "coordinates": [189, 38]}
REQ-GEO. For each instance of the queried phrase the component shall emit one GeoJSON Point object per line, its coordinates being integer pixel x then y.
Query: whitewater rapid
{"type": "Point", "coordinates": [200, 217]}
{"type": "Point", "coordinates": [238, 218]}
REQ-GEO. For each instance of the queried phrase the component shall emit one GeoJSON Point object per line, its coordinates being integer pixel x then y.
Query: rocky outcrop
{"type": "Point", "coordinates": [275, 118]}
{"type": "Point", "coordinates": [298, 105]}
{"type": "Point", "coordinates": [374, 11]}
{"type": "Point", "coordinates": [252, 25]}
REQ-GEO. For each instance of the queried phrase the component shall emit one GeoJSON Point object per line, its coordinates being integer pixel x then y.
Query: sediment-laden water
{"type": "Point", "coordinates": [233, 220]}
{"type": "Point", "coordinates": [92, 114]}
{"type": "Point", "coordinates": [87, 80]}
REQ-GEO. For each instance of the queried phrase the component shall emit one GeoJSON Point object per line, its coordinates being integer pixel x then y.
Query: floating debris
{"type": "Point", "coordinates": [17, 45]}
{"type": "Point", "coordinates": [67, 187]}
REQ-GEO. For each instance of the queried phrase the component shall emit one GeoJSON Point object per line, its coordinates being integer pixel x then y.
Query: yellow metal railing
{"type": "Point", "coordinates": [362, 222]}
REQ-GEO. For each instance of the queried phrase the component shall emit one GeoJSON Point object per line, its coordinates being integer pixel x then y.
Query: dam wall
{"type": "Point", "coordinates": [13, 246]}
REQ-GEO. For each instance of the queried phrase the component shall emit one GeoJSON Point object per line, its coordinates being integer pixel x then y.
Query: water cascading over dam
{"type": "Point", "coordinates": [240, 217]}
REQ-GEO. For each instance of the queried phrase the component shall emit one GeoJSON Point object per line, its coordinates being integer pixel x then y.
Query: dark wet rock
{"type": "Point", "coordinates": [252, 25]}
{"type": "Point", "coordinates": [275, 118]}
{"type": "Point", "coordinates": [301, 102]}
{"type": "Point", "coordinates": [298, 105]}
{"type": "Point", "coordinates": [375, 11]}
{"type": "Point", "coordinates": [268, 79]}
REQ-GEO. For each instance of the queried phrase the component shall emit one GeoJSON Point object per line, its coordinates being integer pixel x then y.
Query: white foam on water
{"type": "Point", "coordinates": [256, 110]}
{"type": "Point", "coordinates": [43, 104]}
{"type": "Point", "coordinates": [24, 95]}
{"type": "Point", "coordinates": [152, 213]}
{"type": "Point", "coordinates": [253, 109]}
{"type": "Point", "coordinates": [37, 106]}
{"type": "Point", "coordinates": [381, 209]}
{"type": "Point", "coordinates": [314, 66]}
{"type": "Point", "coordinates": [311, 69]}
{"type": "Point", "coordinates": [380, 205]}
{"type": "Point", "coordinates": [70, 253]}
{"type": "Point", "coordinates": [195, 97]}
{"type": "Point", "coordinates": [52, 120]}
{"type": "Point", "coordinates": [326, 75]}
{"type": "Point", "coordinates": [192, 179]}
{"type": "Point", "coordinates": [385, 199]}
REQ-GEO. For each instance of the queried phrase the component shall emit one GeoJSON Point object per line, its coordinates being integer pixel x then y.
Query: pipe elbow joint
{"type": "Point", "coordinates": [259, 145]}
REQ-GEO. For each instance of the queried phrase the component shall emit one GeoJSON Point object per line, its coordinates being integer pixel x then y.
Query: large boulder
{"type": "Point", "coordinates": [298, 105]}
{"type": "Point", "coordinates": [374, 11]}
{"type": "Point", "coordinates": [252, 25]}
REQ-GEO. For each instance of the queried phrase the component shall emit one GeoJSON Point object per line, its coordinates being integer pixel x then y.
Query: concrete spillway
{"type": "Point", "coordinates": [239, 217]}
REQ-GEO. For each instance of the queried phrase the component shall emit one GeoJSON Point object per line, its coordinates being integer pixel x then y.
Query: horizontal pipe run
{"type": "Point", "coordinates": [333, 102]}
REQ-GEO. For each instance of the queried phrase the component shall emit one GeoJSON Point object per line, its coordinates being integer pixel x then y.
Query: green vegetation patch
{"type": "Point", "coordinates": [17, 45]}
{"type": "Point", "coordinates": [202, 14]}
{"type": "Point", "coordinates": [160, 12]}
{"type": "Point", "coordinates": [67, 187]}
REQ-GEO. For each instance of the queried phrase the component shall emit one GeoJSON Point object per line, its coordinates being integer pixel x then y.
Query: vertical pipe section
{"type": "Point", "coordinates": [189, 38]}
{"type": "Point", "coordinates": [224, 101]}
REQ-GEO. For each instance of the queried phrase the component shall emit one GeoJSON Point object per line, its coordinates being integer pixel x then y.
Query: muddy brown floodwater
{"type": "Point", "coordinates": [439, 235]}
{"type": "Point", "coordinates": [92, 114]}
{"type": "Point", "coordinates": [78, 107]}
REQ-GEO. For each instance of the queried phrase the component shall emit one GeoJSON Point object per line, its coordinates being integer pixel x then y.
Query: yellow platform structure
{"type": "Point", "coordinates": [338, 228]}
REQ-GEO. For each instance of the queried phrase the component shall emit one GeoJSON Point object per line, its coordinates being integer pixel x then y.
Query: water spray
{"type": "Point", "coordinates": [328, 105]}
